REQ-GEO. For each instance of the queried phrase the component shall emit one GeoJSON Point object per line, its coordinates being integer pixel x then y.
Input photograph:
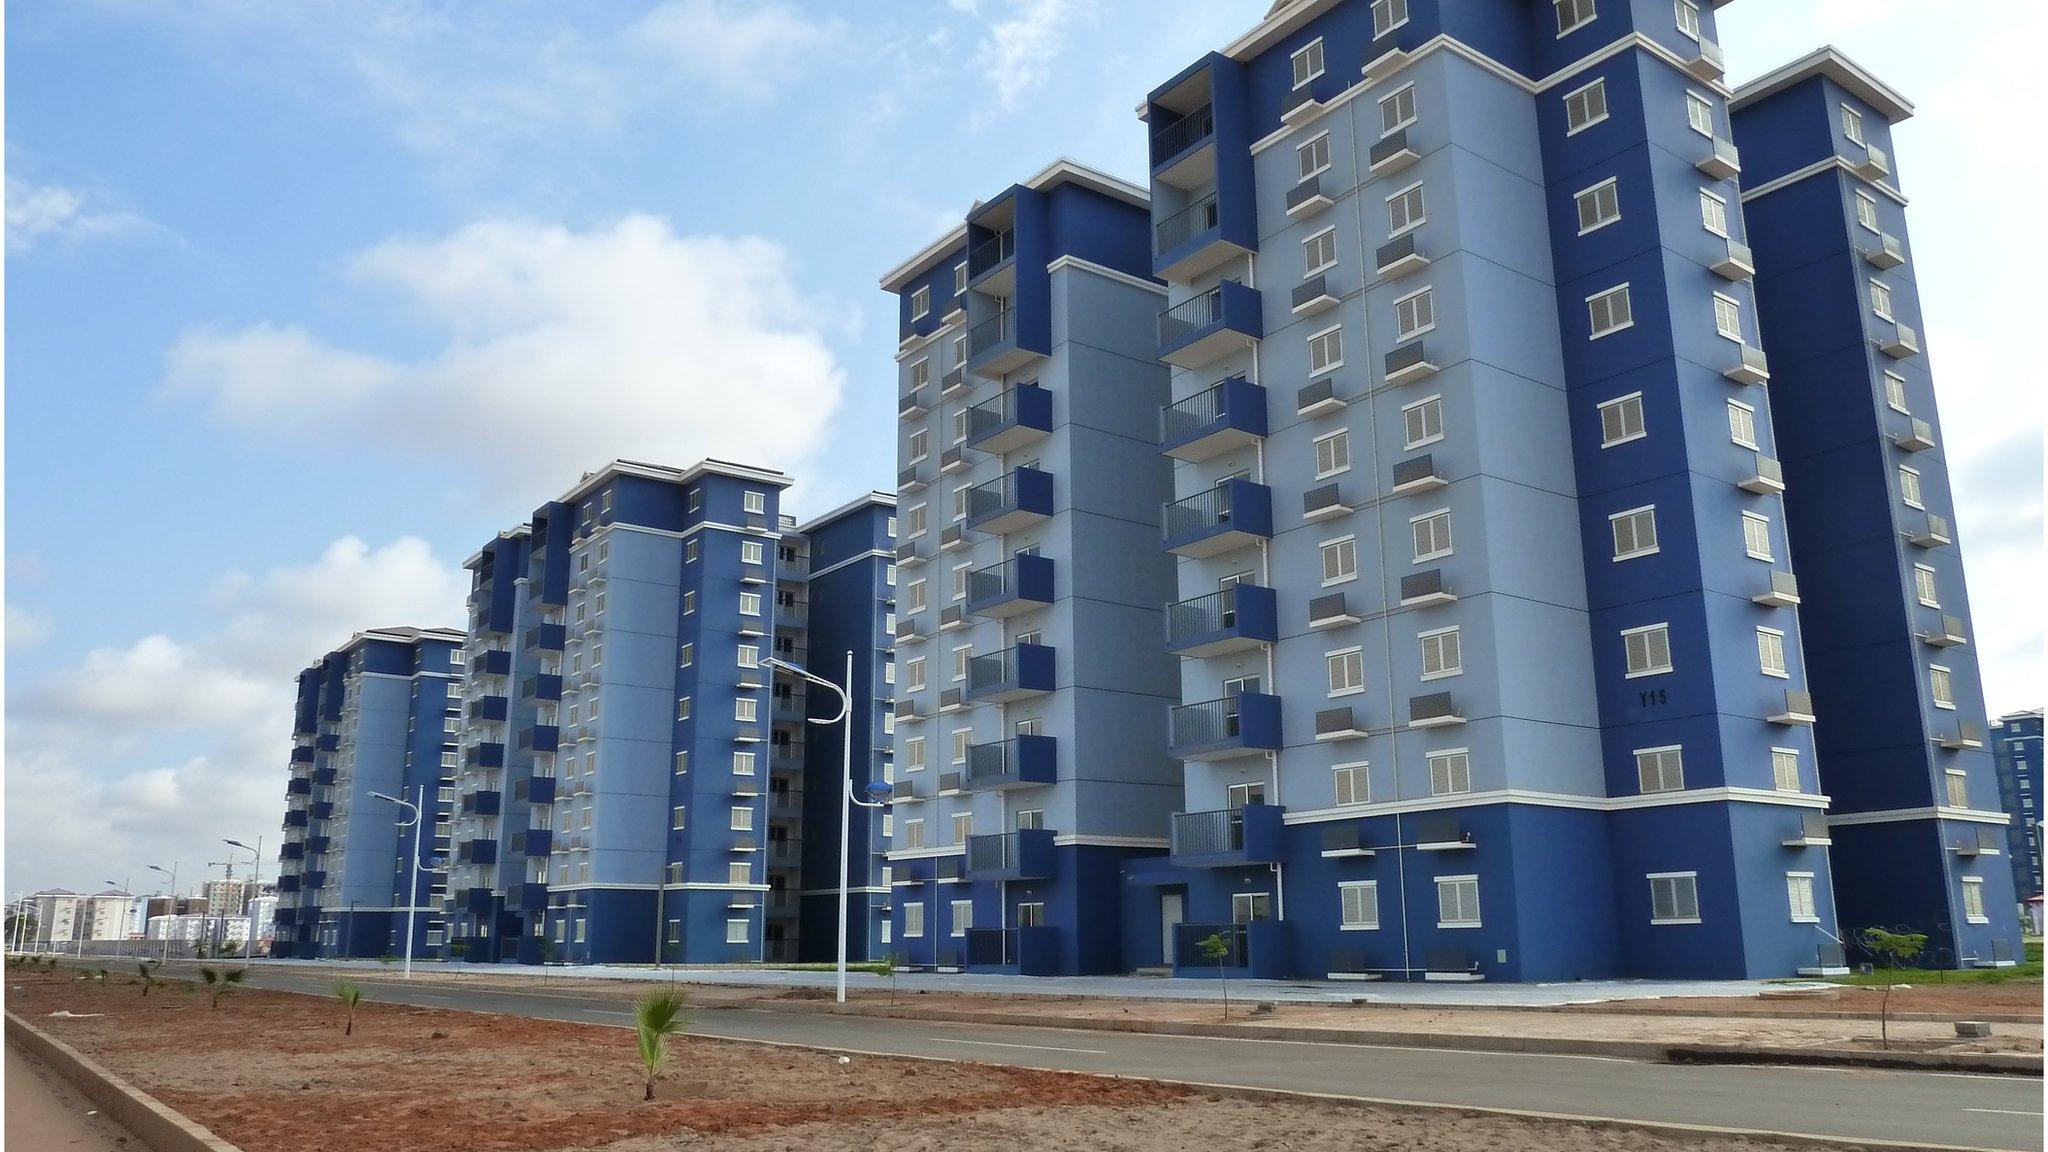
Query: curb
{"type": "Point", "coordinates": [155, 1125]}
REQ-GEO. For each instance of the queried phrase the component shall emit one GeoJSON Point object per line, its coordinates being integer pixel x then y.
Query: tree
{"type": "Point", "coordinates": [1896, 949]}
{"type": "Point", "coordinates": [147, 970]}
{"type": "Point", "coordinates": [1215, 947]}
{"type": "Point", "coordinates": [351, 998]}
{"type": "Point", "coordinates": [656, 1017]}
{"type": "Point", "coordinates": [220, 982]}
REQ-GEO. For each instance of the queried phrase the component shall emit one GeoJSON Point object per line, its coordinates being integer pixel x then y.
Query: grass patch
{"type": "Point", "coordinates": [2028, 970]}
{"type": "Point", "coordinates": [876, 968]}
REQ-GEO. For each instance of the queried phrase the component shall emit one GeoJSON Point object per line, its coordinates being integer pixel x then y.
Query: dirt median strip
{"type": "Point", "coordinates": [160, 1128]}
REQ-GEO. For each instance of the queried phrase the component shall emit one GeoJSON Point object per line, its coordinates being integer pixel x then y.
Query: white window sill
{"type": "Point", "coordinates": [1637, 555]}
{"type": "Point", "coordinates": [1624, 440]}
{"type": "Point", "coordinates": [1358, 928]}
{"type": "Point", "coordinates": [1606, 332]}
{"type": "Point", "coordinates": [1452, 674]}
{"type": "Point", "coordinates": [1679, 921]}
{"type": "Point", "coordinates": [1460, 924]}
{"type": "Point", "coordinates": [1650, 672]}
{"type": "Point", "coordinates": [1806, 919]}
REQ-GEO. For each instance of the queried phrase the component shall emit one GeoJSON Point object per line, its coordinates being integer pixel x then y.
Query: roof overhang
{"type": "Point", "coordinates": [1827, 62]}
{"type": "Point", "coordinates": [1060, 171]}
{"type": "Point", "coordinates": [875, 499]}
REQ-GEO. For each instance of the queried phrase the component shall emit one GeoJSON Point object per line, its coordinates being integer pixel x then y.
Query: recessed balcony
{"type": "Point", "coordinates": [1232, 515]}
{"type": "Point", "coordinates": [1236, 618]}
{"type": "Point", "coordinates": [992, 346]}
{"type": "Point", "coordinates": [1020, 762]}
{"type": "Point", "coordinates": [1018, 417]}
{"type": "Point", "coordinates": [992, 262]}
{"type": "Point", "coordinates": [1222, 418]}
{"type": "Point", "coordinates": [1015, 673]}
{"type": "Point", "coordinates": [1227, 837]}
{"type": "Point", "coordinates": [1017, 499]}
{"type": "Point", "coordinates": [1182, 146]}
{"type": "Point", "coordinates": [1019, 584]}
{"type": "Point", "coordinates": [1026, 854]}
{"type": "Point", "coordinates": [1245, 724]}
{"type": "Point", "coordinates": [1223, 320]}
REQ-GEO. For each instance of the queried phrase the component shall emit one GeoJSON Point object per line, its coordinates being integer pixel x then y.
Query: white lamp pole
{"type": "Point", "coordinates": [249, 905]}
{"type": "Point", "coordinates": [413, 889]}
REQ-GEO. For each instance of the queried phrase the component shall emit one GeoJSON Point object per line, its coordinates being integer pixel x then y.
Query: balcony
{"type": "Point", "coordinates": [322, 809]}
{"type": "Point", "coordinates": [1012, 674]}
{"type": "Point", "coordinates": [1783, 592]}
{"type": "Point", "coordinates": [1947, 634]}
{"type": "Point", "coordinates": [1016, 499]}
{"type": "Point", "coordinates": [302, 755]}
{"type": "Point", "coordinates": [494, 662]}
{"type": "Point", "coordinates": [1722, 161]}
{"type": "Point", "coordinates": [292, 850]}
{"type": "Point", "coordinates": [482, 803]}
{"type": "Point", "coordinates": [954, 460]}
{"type": "Point", "coordinates": [534, 790]}
{"type": "Point", "coordinates": [1231, 515]}
{"type": "Point", "coordinates": [1751, 367]}
{"type": "Point", "coordinates": [314, 880]}
{"type": "Point", "coordinates": [533, 897]}
{"type": "Point", "coordinates": [299, 786]}
{"type": "Point", "coordinates": [541, 686]}
{"type": "Point", "coordinates": [1874, 165]}
{"type": "Point", "coordinates": [287, 883]}
{"type": "Point", "coordinates": [1393, 153]}
{"type": "Point", "coordinates": [1020, 762]}
{"type": "Point", "coordinates": [1797, 709]}
{"type": "Point", "coordinates": [1887, 252]}
{"type": "Point", "coordinates": [1177, 141]}
{"type": "Point", "coordinates": [1020, 584]}
{"type": "Point", "coordinates": [1934, 534]}
{"type": "Point", "coordinates": [1256, 949]}
{"type": "Point", "coordinates": [1190, 241]}
{"type": "Point", "coordinates": [546, 637]}
{"type": "Point", "coordinates": [1705, 62]}
{"type": "Point", "coordinates": [1903, 343]}
{"type": "Point", "coordinates": [1308, 198]}
{"type": "Point", "coordinates": [1966, 738]}
{"type": "Point", "coordinates": [1241, 725]}
{"type": "Point", "coordinates": [476, 901]}
{"type": "Point", "coordinates": [328, 742]}
{"type": "Point", "coordinates": [540, 738]}
{"type": "Point", "coordinates": [1238, 617]}
{"type": "Point", "coordinates": [325, 776]}
{"type": "Point", "coordinates": [477, 852]}
{"type": "Point", "coordinates": [1324, 502]}
{"type": "Point", "coordinates": [1016, 418]}
{"type": "Point", "coordinates": [1409, 362]}
{"type": "Point", "coordinates": [1918, 437]}
{"type": "Point", "coordinates": [1331, 610]}
{"type": "Point", "coordinates": [1735, 262]}
{"type": "Point", "coordinates": [1435, 710]}
{"type": "Point", "coordinates": [1312, 296]}
{"type": "Point", "coordinates": [318, 845]}
{"type": "Point", "coordinates": [1026, 854]}
{"type": "Point", "coordinates": [531, 842]}
{"type": "Point", "coordinates": [1030, 951]}
{"type": "Point", "coordinates": [954, 384]}
{"type": "Point", "coordinates": [1222, 418]}
{"type": "Point", "coordinates": [1811, 833]}
{"type": "Point", "coordinates": [1765, 477]}
{"type": "Point", "coordinates": [994, 252]}
{"type": "Point", "coordinates": [1312, 400]}
{"type": "Point", "coordinates": [488, 754]}
{"type": "Point", "coordinates": [1223, 320]}
{"type": "Point", "coordinates": [914, 403]}
{"type": "Point", "coordinates": [1339, 723]}
{"type": "Point", "coordinates": [992, 347]}
{"type": "Point", "coordinates": [1399, 257]}
{"type": "Point", "coordinates": [1227, 837]}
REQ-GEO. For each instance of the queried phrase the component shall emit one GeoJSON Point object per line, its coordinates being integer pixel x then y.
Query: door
{"type": "Point", "coordinates": [1171, 908]}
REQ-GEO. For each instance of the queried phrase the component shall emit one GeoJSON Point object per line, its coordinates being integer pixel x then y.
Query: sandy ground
{"type": "Point", "coordinates": [272, 1072]}
{"type": "Point", "coordinates": [45, 1112]}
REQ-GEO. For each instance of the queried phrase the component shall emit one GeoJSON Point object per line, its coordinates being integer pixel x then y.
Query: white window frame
{"type": "Point", "coordinates": [1941, 686]}
{"type": "Point", "coordinates": [920, 302]}
{"type": "Point", "coordinates": [1388, 8]}
{"type": "Point", "coordinates": [1460, 883]}
{"type": "Point", "coordinates": [1634, 518]}
{"type": "Point", "coordinates": [1770, 645]}
{"type": "Point", "coordinates": [961, 918]}
{"type": "Point", "coordinates": [1583, 13]}
{"type": "Point", "coordinates": [1688, 16]}
{"type": "Point", "coordinates": [1677, 907]}
{"type": "Point", "coordinates": [1756, 525]}
{"type": "Point", "coordinates": [1612, 185]}
{"type": "Point", "coordinates": [1664, 769]}
{"type": "Point", "coordinates": [1866, 212]}
{"type": "Point", "coordinates": [1649, 669]}
{"type": "Point", "coordinates": [1748, 417]}
{"type": "Point", "coordinates": [1354, 778]}
{"type": "Point", "coordinates": [1800, 903]}
{"type": "Point", "coordinates": [1727, 312]}
{"type": "Point", "coordinates": [1698, 108]}
{"type": "Point", "coordinates": [1423, 406]}
{"type": "Point", "coordinates": [1305, 160]}
{"type": "Point", "coordinates": [1852, 127]}
{"type": "Point", "coordinates": [1423, 299]}
{"type": "Point", "coordinates": [1604, 297]}
{"type": "Point", "coordinates": [1449, 545]}
{"type": "Point", "coordinates": [1895, 398]}
{"type": "Point", "coordinates": [1344, 661]}
{"type": "Point", "coordinates": [1781, 760]}
{"type": "Point", "coordinates": [1881, 301]}
{"type": "Point", "coordinates": [1417, 217]}
{"type": "Point", "coordinates": [1973, 900]}
{"type": "Point", "coordinates": [1912, 493]}
{"type": "Point", "coordinates": [1714, 213]}
{"type": "Point", "coordinates": [1457, 771]}
{"type": "Point", "coordinates": [1444, 670]}
{"type": "Point", "coordinates": [913, 920]}
{"type": "Point", "coordinates": [1325, 238]}
{"type": "Point", "coordinates": [1397, 99]}
{"type": "Point", "coordinates": [1362, 923]}
{"type": "Point", "coordinates": [1298, 56]}
{"type": "Point", "coordinates": [1320, 344]}
{"type": "Point", "coordinates": [1926, 586]}
{"type": "Point", "coordinates": [1340, 453]}
{"type": "Point", "coordinates": [1342, 548]}
{"type": "Point", "coordinates": [1620, 402]}
{"type": "Point", "coordinates": [1598, 87]}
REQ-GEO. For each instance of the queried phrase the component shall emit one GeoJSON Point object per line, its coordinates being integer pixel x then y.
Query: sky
{"type": "Point", "coordinates": [304, 302]}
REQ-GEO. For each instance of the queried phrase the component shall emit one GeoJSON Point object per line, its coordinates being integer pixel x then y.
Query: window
{"type": "Point", "coordinates": [1699, 112]}
{"type": "Point", "coordinates": [1450, 772]}
{"type": "Point", "coordinates": [1973, 900]}
{"type": "Point", "coordinates": [961, 657]}
{"type": "Point", "coordinates": [689, 601]}
{"type": "Point", "coordinates": [675, 817]}
{"type": "Point", "coordinates": [1609, 311]}
{"type": "Point", "coordinates": [913, 674]}
{"type": "Point", "coordinates": [1689, 19]}
{"type": "Point", "coordinates": [913, 833]}
{"type": "Point", "coordinates": [1422, 422]}
{"type": "Point", "coordinates": [1635, 532]}
{"type": "Point", "coordinates": [1388, 15]}
{"type": "Point", "coordinates": [915, 595]}
{"type": "Point", "coordinates": [963, 739]}
{"type": "Point", "coordinates": [963, 917]}
{"type": "Point", "coordinates": [921, 303]}
{"type": "Point", "coordinates": [1941, 686]}
{"type": "Point", "coordinates": [1958, 785]}
{"type": "Point", "coordinates": [1799, 897]}
{"type": "Point", "coordinates": [1405, 210]}
{"type": "Point", "coordinates": [920, 374]}
{"type": "Point", "coordinates": [917, 521]}
{"type": "Point", "coordinates": [1866, 211]}
{"type": "Point", "coordinates": [1457, 897]}
{"type": "Point", "coordinates": [1333, 454]}
{"type": "Point", "coordinates": [750, 603]}
{"type": "Point", "coordinates": [1361, 903]}
{"type": "Point", "coordinates": [1572, 15]}
{"type": "Point", "coordinates": [1326, 350]}
{"type": "Point", "coordinates": [1881, 300]}
{"type": "Point", "coordinates": [1441, 655]}
{"type": "Point", "coordinates": [1432, 535]}
{"type": "Point", "coordinates": [1909, 487]}
{"type": "Point", "coordinates": [1756, 536]}
{"type": "Point", "coordinates": [1770, 652]}
{"type": "Point", "coordinates": [1621, 420]}
{"type": "Point", "coordinates": [743, 763]}
{"type": "Point", "coordinates": [749, 655]}
{"type": "Point", "coordinates": [1599, 206]}
{"type": "Point", "coordinates": [1347, 671]}
{"type": "Point", "coordinates": [1314, 156]}
{"type": "Point", "coordinates": [913, 920]}
{"type": "Point", "coordinates": [1852, 125]}
{"type": "Point", "coordinates": [1660, 769]}
{"type": "Point", "coordinates": [959, 277]}
{"type": "Point", "coordinates": [1895, 391]}
{"type": "Point", "coordinates": [919, 445]}
{"type": "Point", "coordinates": [739, 872]}
{"type": "Point", "coordinates": [756, 503]}
{"type": "Point", "coordinates": [682, 708]}
{"type": "Point", "coordinates": [1648, 650]}
{"type": "Point", "coordinates": [746, 709]}
{"type": "Point", "coordinates": [1397, 111]}
{"type": "Point", "coordinates": [1319, 252]}
{"type": "Point", "coordinates": [1923, 586]}
{"type": "Point", "coordinates": [959, 580]}
{"type": "Point", "coordinates": [1351, 783]}
{"type": "Point", "coordinates": [1728, 317]}
{"type": "Point", "coordinates": [1785, 769]}
{"type": "Point", "coordinates": [1414, 314]}
{"type": "Point", "coordinates": [1340, 560]}
{"type": "Point", "coordinates": [1585, 107]}
{"type": "Point", "coordinates": [1742, 424]}
{"type": "Point", "coordinates": [1714, 213]}
{"type": "Point", "coordinates": [1674, 898]}
{"type": "Point", "coordinates": [913, 754]}
{"type": "Point", "coordinates": [960, 502]}
{"type": "Point", "coordinates": [1031, 914]}
{"type": "Point", "coordinates": [1308, 62]}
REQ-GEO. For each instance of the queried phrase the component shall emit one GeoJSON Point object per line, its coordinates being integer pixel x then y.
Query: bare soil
{"type": "Point", "coordinates": [272, 1072]}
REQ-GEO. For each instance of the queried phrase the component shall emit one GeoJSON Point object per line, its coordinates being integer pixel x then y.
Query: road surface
{"type": "Point", "coordinates": [46, 1112]}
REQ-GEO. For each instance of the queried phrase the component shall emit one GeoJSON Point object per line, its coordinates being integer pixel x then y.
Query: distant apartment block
{"type": "Point", "coordinates": [2016, 749]}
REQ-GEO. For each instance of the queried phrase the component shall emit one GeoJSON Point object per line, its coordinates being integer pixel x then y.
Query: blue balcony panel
{"type": "Point", "coordinates": [328, 742]}
{"type": "Point", "coordinates": [534, 790]}
{"type": "Point", "coordinates": [1012, 674]}
{"type": "Point", "coordinates": [1030, 951]}
{"type": "Point", "coordinates": [1232, 515]}
{"type": "Point", "coordinates": [1020, 584]}
{"type": "Point", "coordinates": [541, 686]}
{"type": "Point", "coordinates": [477, 852]}
{"type": "Point", "coordinates": [1016, 499]}
{"type": "Point", "coordinates": [546, 637]}
{"type": "Point", "coordinates": [303, 755]}
{"type": "Point", "coordinates": [533, 897]}
{"type": "Point", "coordinates": [489, 708]}
{"type": "Point", "coordinates": [1190, 241]}
{"type": "Point", "coordinates": [995, 345]}
{"type": "Point", "coordinates": [1219, 419]}
{"type": "Point", "coordinates": [1227, 837]}
{"type": "Point", "coordinates": [1241, 725]}
{"type": "Point", "coordinates": [299, 786]}
{"type": "Point", "coordinates": [1236, 618]}
{"type": "Point", "coordinates": [1017, 417]}
{"type": "Point", "coordinates": [1223, 320]}
{"type": "Point", "coordinates": [295, 818]}
{"type": "Point", "coordinates": [1026, 854]}
{"type": "Point", "coordinates": [477, 901]}
{"type": "Point", "coordinates": [1019, 762]}
{"type": "Point", "coordinates": [489, 754]}
{"type": "Point", "coordinates": [530, 842]}
{"type": "Point", "coordinates": [289, 882]}
{"type": "Point", "coordinates": [485, 802]}
{"type": "Point", "coordinates": [318, 845]}
{"type": "Point", "coordinates": [491, 662]}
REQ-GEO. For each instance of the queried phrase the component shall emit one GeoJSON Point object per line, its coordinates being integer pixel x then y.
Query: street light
{"type": "Point", "coordinates": [412, 895]}
{"type": "Point", "coordinates": [847, 798]}
{"type": "Point", "coordinates": [249, 906]}
{"type": "Point", "coordinates": [172, 872]}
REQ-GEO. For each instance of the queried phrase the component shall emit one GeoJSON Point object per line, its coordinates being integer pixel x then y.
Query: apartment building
{"type": "Point", "coordinates": [2016, 748]}
{"type": "Point", "coordinates": [380, 714]}
{"type": "Point", "coordinates": [57, 913]}
{"type": "Point", "coordinates": [636, 775]}
{"type": "Point", "coordinates": [1915, 819]}
{"type": "Point", "coordinates": [1491, 654]}
{"type": "Point", "coordinates": [1030, 740]}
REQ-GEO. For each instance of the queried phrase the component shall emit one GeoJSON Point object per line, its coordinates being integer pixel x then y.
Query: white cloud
{"type": "Point", "coordinates": [1017, 50]}
{"type": "Point", "coordinates": [733, 48]}
{"type": "Point", "coordinates": [153, 751]}
{"type": "Point", "coordinates": [27, 627]}
{"type": "Point", "coordinates": [561, 349]}
{"type": "Point", "coordinates": [47, 213]}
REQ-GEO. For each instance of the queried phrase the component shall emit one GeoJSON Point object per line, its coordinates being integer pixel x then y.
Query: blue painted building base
{"type": "Point", "coordinates": [1906, 875]}
{"type": "Point", "coordinates": [1083, 916]}
{"type": "Point", "coordinates": [619, 925]}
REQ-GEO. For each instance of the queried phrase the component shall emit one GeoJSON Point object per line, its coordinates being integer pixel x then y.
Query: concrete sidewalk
{"type": "Point", "coordinates": [43, 1111]}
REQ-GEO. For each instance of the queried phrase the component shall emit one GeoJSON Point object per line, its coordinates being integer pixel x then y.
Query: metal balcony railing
{"type": "Point", "coordinates": [1208, 833]}
{"type": "Point", "coordinates": [992, 251]}
{"type": "Point", "coordinates": [1187, 224]}
{"type": "Point", "coordinates": [1172, 139]}
{"type": "Point", "coordinates": [1209, 722]}
{"type": "Point", "coordinates": [993, 332]}
{"type": "Point", "coordinates": [1182, 321]}
{"type": "Point", "coordinates": [1201, 616]}
{"type": "Point", "coordinates": [1196, 514]}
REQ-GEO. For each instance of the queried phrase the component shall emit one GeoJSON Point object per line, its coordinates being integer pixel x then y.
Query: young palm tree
{"type": "Point", "coordinates": [351, 997]}
{"type": "Point", "coordinates": [656, 1017]}
{"type": "Point", "coordinates": [219, 983]}
{"type": "Point", "coordinates": [147, 971]}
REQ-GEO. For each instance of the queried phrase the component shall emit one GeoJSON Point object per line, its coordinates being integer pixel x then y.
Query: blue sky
{"type": "Point", "coordinates": [306, 301]}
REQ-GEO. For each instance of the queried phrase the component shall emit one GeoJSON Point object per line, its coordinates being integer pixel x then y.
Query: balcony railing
{"type": "Point", "coordinates": [992, 333]}
{"type": "Point", "coordinates": [1232, 726]}
{"type": "Point", "coordinates": [1229, 415]}
{"type": "Point", "coordinates": [1016, 585]}
{"type": "Point", "coordinates": [1238, 617]}
{"type": "Point", "coordinates": [1220, 321]}
{"type": "Point", "coordinates": [1018, 762]}
{"type": "Point", "coordinates": [991, 251]}
{"type": "Point", "coordinates": [1015, 418]}
{"type": "Point", "coordinates": [1012, 674]}
{"type": "Point", "coordinates": [1011, 501]}
{"type": "Point", "coordinates": [1026, 854]}
{"type": "Point", "coordinates": [1186, 224]}
{"type": "Point", "coordinates": [1231, 515]}
{"type": "Point", "coordinates": [1175, 137]}
{"type": "Point", "coordinates": [1227, 837]}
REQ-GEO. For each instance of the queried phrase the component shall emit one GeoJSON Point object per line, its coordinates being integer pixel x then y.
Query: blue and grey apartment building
{"type": "Point", "coordinates": [2016, 747]}
{"type": "Point", "coordinates": [1500, 377]}
{"type": "Point", "coordinates": [377, 715]}
{"type": "Point", "coordinates": [636, 782]}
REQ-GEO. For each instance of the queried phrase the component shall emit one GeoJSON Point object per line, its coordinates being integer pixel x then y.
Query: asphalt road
{"type": "Point", "coordinates": [2002, 1112]}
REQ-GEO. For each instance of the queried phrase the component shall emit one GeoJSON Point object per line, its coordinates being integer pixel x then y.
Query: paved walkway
{"type": "Point", "coordinates": [46, 1112]}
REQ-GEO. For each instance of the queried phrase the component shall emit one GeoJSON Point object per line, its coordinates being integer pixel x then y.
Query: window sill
{"type": "Point", "coordinates": [1460, 924]}
{"type": "Point", "coordinates": [1680, 921]}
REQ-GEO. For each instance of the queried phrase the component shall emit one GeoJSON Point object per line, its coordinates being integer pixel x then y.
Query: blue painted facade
{"type": "Point", "coordinates": [2016, 747]}
{"type": "Point", "coordinates": [1889, 641]}
{"type": "Point", "coordinates": [377, 715]}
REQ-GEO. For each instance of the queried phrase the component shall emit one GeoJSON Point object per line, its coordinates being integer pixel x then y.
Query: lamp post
{"type": "Point", "coordinates": [172, 872]}
{"type": "Point", "coordinates": [847, 798]}
{"type": "Point", "coordinates": [249, 905]}
{"type": "Point", "coordinates": [412, 894]}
